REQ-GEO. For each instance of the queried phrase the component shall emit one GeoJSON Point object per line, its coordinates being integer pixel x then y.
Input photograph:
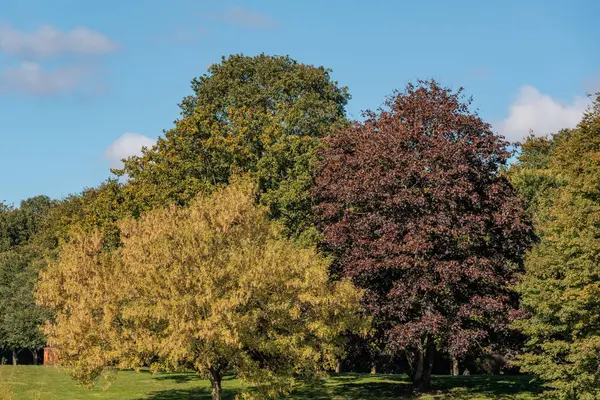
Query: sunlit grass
{"type": "Point", "coordinates": [51, 383]}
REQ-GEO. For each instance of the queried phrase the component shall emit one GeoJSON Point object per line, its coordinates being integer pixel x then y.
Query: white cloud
{"type": "Point", "coordinates": [540, 113]}
{"type": "Point", "coordinates": [592, 85]}
{"type": "Point", "coordinates": [248, 18]}
{"type": "Point", "coordinates": [32, 78]}
{"type": "Point", "coordinates": [48, 41]}
{"type": "Point", "coordinates": [128, 144]}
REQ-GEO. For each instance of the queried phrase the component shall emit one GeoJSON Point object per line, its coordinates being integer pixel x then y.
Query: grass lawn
{"type": "Point", "coordinates": [50, 383]}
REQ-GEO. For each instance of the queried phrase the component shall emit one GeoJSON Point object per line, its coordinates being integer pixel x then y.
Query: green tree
{"type": "Point", "coordinates": [19, 316]}
{"type": "Point", "coordinates": [531, 175]}
{"type": "Point", "coordinates": [20, 260]}
{"type": "Point", "coordinates": [94, 208]}
{"type": "Point", "coordinates": [213, 287]}
{"type": "Point", "coordinates": [19, 225]}
{"type": "Point", "coordinates": [561, 287]}
{"type": "Point", "coordinates": [264, 114]}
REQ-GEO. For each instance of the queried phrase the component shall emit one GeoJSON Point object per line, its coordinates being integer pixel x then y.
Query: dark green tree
{"type": "Point", "coordinates": [20, 259]}
{"type": "Point", "coordinates": [20, 317]}
{"type": "Point", "coordinates": [20, 225]}
{"type": "Point", "coordinates": [262, 114]}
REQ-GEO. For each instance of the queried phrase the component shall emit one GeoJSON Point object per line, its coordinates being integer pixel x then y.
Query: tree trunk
{"type": "Point", "coordinates": [15, 360]}
{"type": "Point", "coordinates": [215, 383]}
{"type": "Point", "coordinates": [418, 372]}
{"type": "Point", "coordinates": [455, 369]}
{"type": "Point", "coordinates": [338, 367]}
{"type": "Point", "coordinates": [34, 353]}
{"type": "Point", "coordinates": [428, 365]}
{"type": "Point", "coordinates": [422, 376]}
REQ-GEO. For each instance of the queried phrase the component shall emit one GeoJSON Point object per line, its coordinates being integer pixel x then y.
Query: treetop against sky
{"type": "Point", "coordinates": [82, 86]}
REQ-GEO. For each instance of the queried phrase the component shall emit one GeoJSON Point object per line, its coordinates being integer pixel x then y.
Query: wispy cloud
{"type": "Point", "coordinates": [248, 18]}
{"type": "Point", "coordinates": [33, 78]}
{"type": "Point", "coordinates": [592, 85]}
{"type": "Point", "coordinates": [533, 110]}
{"type": "Point", "coordinates": [72, 52]}
{"type": "Point", "coordinates": [47, 41]}
{"type": "Point", "coordinates": [129, 144]}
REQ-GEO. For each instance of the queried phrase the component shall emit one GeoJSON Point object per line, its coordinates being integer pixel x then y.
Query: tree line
{"type": "Point", "coordinates": [268, 235]}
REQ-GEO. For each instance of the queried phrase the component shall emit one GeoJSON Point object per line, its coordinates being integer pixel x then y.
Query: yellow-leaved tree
{"type": "Point", "coordinates": [213, 287]}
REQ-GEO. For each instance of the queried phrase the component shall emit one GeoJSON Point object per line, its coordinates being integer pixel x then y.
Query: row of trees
{"type": "Point", "coordinates": [265, 230]}
{"type": "Point", "coordinates": [559, 176]}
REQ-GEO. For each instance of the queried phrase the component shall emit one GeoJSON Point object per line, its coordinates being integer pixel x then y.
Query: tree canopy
{"type": "Point", "coordinates": [412, 203]}
{"type": "Point", "coordinates": [531, 175]}
{"type": "Point", "coordinates": [21, 256]}
{"type": "Point", "coordinates": [213, 287]}
{"type": "Point", "coordinates": [19, 316]}
{"type": "Point", "coordinates": [262, 227]}
{"type": "Point", "coordinates": [263, 114]}
{"type": "Point", "coordinates": [560, 291]}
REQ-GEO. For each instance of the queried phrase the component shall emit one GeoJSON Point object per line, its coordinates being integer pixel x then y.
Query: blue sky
{"type": "Point", "coordinates": [82, 83]}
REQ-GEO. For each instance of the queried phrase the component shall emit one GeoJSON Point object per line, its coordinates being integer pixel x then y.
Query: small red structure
{"type": "Point", "coordinates": [50, 356]}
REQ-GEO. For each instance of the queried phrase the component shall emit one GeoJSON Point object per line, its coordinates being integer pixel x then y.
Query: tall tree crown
{"type": "Point", "coordinates": [263, 114]}
{"type": "Point", "coordinates": [412, 203]}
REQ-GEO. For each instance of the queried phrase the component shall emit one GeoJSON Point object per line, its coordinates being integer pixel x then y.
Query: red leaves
{"type": "Point", "coordinates": [412, 203]}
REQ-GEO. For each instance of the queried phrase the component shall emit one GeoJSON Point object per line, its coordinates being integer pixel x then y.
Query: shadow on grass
{"type": "Point", "coordinates": [345, 377]}
{"type": "Point", "coordinates": [179, 377]}
{"type": "Point", "coordinates": [368, 387]}
{"type": "Point", "coordinates": [199, 393]}
{"type": "Point", "coordinates": [189, 394]}
{"type": "Point", "coordinates": [355, 391]}
{"type": "Point", "coordinates": [183, 377]}
{"type": "Point", "coordinates": [492, 386]}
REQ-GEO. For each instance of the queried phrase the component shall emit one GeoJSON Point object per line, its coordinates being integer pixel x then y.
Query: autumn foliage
{"type": "Point", "coordinates": [412, 204]}
{"type": "Point", "coordinates": [410, 219]}
{"type": "Point", "coordinates": [213, 287]}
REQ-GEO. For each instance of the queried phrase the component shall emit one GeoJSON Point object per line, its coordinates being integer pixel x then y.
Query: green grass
{"type": "Point", "coordinates": [51, 383]}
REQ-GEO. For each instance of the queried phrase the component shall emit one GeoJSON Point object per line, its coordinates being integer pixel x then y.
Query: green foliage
{"type": "Point", "coordinates": [213, 287]}
{"type": "Point", "coordinates": [21, 256]}
{"type": "Point", "coordinates": [19, 316]}
{"type": "Point", "coordinates": [263, 114]}
{"type": "Point", "coordinates": [94, 208]}
{"type": "Point", "coordinates": [19, 225]}
{"type": "Point", "coordinates": [561, 286]}
{"type": "Point", "coordinates": [531, 175]}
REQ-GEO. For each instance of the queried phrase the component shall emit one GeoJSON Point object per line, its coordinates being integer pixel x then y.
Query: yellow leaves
{"type": "Point", "coordinates": [211, 285]}
{"type": "Point", "coordinates": [594, 155]}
